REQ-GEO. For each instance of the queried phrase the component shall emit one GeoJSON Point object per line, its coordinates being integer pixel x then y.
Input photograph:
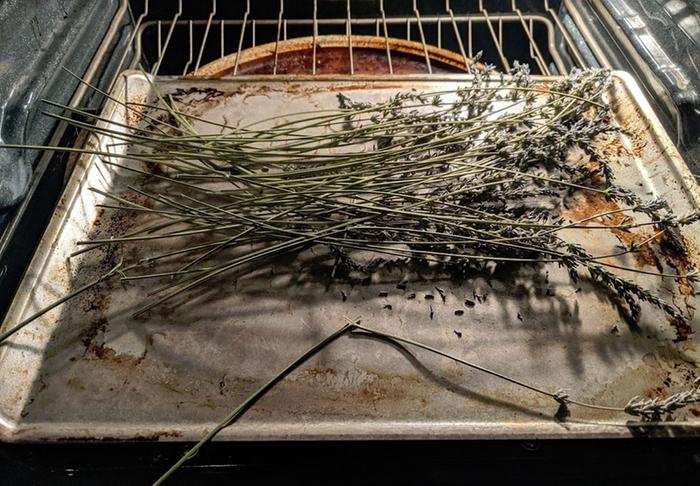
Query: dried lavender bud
{"type": "Point", "coordinates": [655, 408]}
{"type": "Point", "coordinates": [442, 294]}
{"type": "Point", "coordinates": [561, 396]}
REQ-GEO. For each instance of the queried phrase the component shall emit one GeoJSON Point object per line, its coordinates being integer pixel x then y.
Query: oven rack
{"type": "Point", "coordinates": [184, 42]}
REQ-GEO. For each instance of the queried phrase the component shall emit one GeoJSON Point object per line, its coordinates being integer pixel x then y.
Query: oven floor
{"type": "Point", "coordinates": [634, 461]}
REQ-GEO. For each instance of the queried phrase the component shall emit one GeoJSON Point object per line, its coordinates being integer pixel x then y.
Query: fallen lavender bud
{"type": "Point", "coordinates": [654, 409]}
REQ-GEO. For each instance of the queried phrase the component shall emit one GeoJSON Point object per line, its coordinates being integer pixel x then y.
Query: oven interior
{"type": "Point", "coordinates": [657, 41]}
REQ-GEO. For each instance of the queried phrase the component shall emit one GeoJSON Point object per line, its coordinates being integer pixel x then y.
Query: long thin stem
{"type": "Point", "coordinates": [111, 273]}
{"type": "Point", "coordinates": [558, 396]}
{"type": "Point", "coordinates": [254, 397]}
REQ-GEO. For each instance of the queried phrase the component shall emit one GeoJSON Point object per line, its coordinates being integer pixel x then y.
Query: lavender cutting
{"type": "Point", "coordinates": [461, 179]}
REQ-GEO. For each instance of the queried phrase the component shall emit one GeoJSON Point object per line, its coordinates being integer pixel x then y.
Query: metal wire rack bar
{"type": "Point", "coordinates": [459, 26]}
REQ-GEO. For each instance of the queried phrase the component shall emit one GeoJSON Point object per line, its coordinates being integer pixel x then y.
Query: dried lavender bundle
{"type": "Point", "coordinates": [460, 178]}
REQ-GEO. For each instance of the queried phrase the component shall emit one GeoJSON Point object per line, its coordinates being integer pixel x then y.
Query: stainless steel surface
{"type": "Point", "coordinates": [92, 70]}
{"type": "Point", "coordinates": [655, 42]}
{"type": "Point", "coordinates": [89, 371]}
{"type": "Point", "coordinates": [653, 86]}
{"type": "Point", "coordinates": [448, 25]}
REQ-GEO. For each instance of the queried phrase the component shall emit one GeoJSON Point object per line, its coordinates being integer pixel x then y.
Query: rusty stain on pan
{"type": "Point", "coordinates": [295, 56]}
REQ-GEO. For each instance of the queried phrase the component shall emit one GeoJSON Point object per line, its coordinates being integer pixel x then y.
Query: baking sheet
{"type": "Point", "coordinates": [89, 371]}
